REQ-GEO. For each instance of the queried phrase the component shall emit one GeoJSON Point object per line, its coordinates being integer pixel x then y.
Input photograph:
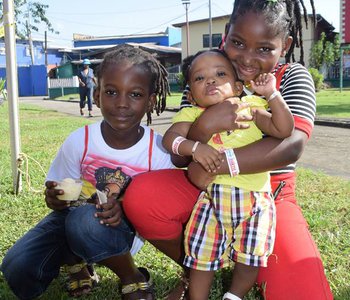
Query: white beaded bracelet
{"type": "Point", "coordinates": [194, 149]}
{"type": "Point", "coordinates": [176, 144]}
{"type": "Point", "coordinates": [232, 162]}
{"type": "Point", "coordinates": [274, 95]}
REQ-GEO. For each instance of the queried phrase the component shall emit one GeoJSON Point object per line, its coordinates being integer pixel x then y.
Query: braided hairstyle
{"type": "Point", "coordinates": [157, 72]}
{"type": "Point", "coordinates": [285, 16]}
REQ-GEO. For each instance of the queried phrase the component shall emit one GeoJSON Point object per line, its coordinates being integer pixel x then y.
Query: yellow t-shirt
{"type": "Point", "coordinates": [258, 182]}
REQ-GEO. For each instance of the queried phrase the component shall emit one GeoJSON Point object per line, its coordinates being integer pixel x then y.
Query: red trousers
{"type": "Point", "coordinates": [159, 204]}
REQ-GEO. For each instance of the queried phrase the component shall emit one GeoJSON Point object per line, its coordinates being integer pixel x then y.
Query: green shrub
{"type": "Point", "coordinates": [317, 77]}
{"type": "Point", "coordinates": [3, 92]}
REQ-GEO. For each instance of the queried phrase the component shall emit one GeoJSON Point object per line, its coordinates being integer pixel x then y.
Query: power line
{"type": "Point", "coordinates": [169, 21]}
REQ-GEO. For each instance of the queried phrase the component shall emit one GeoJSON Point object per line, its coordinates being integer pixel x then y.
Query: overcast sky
{"type": "Point", "coordinates": [116, 17]}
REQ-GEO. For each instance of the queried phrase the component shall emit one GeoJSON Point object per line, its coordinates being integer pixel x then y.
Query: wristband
{"type": "Point", "coordinates": [176, 144]}
{"type": "Point", "coordinates": [194, 149]}
{"type": "Point", "coordinates": [232, 162]}
{"type": "Point", "coordinates": [274, 95]}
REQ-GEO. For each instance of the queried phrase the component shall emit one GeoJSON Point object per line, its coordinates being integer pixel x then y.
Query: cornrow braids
{"type": "Point", "coordinates": [137, 56]}
{"type": "Point", "coordinates": [285, 16]}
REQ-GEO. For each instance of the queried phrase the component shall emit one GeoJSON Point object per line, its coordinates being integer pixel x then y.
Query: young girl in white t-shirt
{"type": "Point", "coordinates": [105, 156]}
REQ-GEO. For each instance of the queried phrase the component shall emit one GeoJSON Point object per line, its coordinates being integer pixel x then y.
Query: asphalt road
{"type": "Point", "coordinates": [327, 151]}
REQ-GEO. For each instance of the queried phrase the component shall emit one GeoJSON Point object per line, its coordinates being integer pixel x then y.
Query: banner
{"type": "Point", "coordinates": [345, 21]}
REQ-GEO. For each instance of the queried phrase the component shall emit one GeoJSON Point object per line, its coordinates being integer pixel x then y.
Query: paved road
{"type": "Point", "coordinates": [327, 151]}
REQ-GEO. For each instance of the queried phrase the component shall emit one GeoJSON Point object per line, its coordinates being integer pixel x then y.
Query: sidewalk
{"type": "Point", "coordinates": [327, 150]}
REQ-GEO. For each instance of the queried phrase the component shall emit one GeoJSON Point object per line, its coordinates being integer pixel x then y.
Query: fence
{"type": "Point", "coordinates": [333, 75]}
{"type": "Point", "coordinates": [31, 80]}
{"type": "Point", "coordinates": [63, 86]}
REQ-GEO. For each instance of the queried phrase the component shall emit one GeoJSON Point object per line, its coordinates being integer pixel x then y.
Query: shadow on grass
{"type": "Point", "coordinates": [333, 110]}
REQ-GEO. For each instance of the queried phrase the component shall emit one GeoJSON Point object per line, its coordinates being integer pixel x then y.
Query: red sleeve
{"type": "Point", "coordinates": [303, 124]}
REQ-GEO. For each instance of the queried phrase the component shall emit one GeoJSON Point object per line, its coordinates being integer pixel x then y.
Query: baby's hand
{"type": "Point", "coordinates": [264, 84]}
{"type": "Point", "coordinates": [208, 157]}
{"type": "Point", "coordinates": [233, 100]}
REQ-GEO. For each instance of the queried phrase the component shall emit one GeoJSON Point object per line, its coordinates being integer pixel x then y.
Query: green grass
{"type": "Point", "coordinates": [324, 200]}
{"type": "Point", "coordinates": [333, 103]}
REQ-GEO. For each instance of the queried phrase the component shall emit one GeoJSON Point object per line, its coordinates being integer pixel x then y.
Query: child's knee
{"type": "Point", "coordinates": [21, 274]}
{"type": "Point", "coordinates": [80, 222]}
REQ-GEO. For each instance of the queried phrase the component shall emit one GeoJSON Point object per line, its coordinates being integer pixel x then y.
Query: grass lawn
{"type": "Point", "coordinates": [330, 102]}
{"type": "Point", "coordinates": [324, 200]}
{"type": "Point", "coordinates": [333, 103]}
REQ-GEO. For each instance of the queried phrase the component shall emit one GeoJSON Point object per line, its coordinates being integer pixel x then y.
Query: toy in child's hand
{"type": "Point", "coordinates": [71, 188]}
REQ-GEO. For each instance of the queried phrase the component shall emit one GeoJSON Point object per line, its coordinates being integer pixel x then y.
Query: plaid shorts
{"type": "Point", "coordinates": [230, 223]}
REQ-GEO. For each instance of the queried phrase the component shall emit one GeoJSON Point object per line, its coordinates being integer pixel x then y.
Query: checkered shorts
{"type": "Point", "coordinates": [229, 222]}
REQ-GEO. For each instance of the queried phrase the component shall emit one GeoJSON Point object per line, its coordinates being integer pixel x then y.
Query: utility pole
{"type": "Point", "coordinates": [12, 89]}
{"type": "Point", "coordinates": [210, 28]}
{"type": "Point", "coordinates": [46, 63]}
{"type": "Point", "coordinates": [186, 3]}
{"type": "Point", "coordinates": [29, 33]}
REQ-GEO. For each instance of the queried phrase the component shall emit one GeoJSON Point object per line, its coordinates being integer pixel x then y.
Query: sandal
{"type": "Point", "coordinates": [180, 292]}
{"type": "Point", "coordinates": [230, 296]}
{"type": "Point", "coordinates": [77, 287]}
{"type": "Point", "coordinates": [143, 286]}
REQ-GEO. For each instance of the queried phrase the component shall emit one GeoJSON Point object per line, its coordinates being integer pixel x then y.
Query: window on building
{"type": "Point", "coordinates": [27, 51]}
{"type": "Point", "coordinates": [215, 40]}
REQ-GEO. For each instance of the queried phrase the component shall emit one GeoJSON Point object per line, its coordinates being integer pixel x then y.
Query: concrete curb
{"type": "Point", "coordinates": [333, 123]}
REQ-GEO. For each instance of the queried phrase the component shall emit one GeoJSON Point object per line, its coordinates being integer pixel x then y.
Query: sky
{"type": "Point", "coordinates": [116, 17]}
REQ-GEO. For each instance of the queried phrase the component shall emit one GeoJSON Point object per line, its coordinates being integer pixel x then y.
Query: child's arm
{"type": "Point", "coordinates": [279, 123]}
{"type": "Point", "coordinates": [175, 142]}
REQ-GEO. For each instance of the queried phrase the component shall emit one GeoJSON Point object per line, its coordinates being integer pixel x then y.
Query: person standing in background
{"type": "Point", "coordinates": [87, 83]}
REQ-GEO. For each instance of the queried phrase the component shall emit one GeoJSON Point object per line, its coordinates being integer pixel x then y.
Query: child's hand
{"type": "Point", "coordinates": [208, 157]}
{"type": "Point", "coordinates": [111, 214]}
{"type": "Point", "coordinates": [259, 114]}
{"type": "Point", "coordinates": [51, 197]}
{"type": "Point", "coordinates": [225, 116]}
{"type": "Point", "coordinates": [233, 100]}
{"type": "Point", "coordinates": [264, 84]}
{"type": "Point", "coordinates": [198, 176]}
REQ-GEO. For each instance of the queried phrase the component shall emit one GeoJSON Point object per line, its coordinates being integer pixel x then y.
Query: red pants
{"type": "Point", "coordinates": [159, 203]}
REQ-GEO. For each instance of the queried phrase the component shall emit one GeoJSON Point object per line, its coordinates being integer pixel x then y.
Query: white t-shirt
{"type": "Point", "coordinates": [70, 161]}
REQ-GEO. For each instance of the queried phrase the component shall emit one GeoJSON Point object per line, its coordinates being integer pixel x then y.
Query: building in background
{"type": "Point", "coordinates": [166, 46]}
{"type": "Point", "coordinates": [199, 34]}
{"type": "Point", "coordinates": [54, 57]}
{"type": "Point", "coordinates": [32, 75]}
{"type": "Point", "coordinates": [171, 37]}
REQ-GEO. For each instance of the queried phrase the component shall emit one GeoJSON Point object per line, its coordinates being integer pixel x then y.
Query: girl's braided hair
{"type": "Point", "coordinates": [285, 16]}
{"type": "Point", "coordinates": [136, 56]}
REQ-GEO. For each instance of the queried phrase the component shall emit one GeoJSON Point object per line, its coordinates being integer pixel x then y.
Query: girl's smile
{"type": "Point", "coordinates": [124, 96]}
{"type": "Point", "coordinates": [253, 46]}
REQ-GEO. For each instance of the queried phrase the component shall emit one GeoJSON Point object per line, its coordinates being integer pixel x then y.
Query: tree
{"type": "Point", "coordinates": [324, 52]}
{"type": "Point", "coordinates": [28, 15]}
